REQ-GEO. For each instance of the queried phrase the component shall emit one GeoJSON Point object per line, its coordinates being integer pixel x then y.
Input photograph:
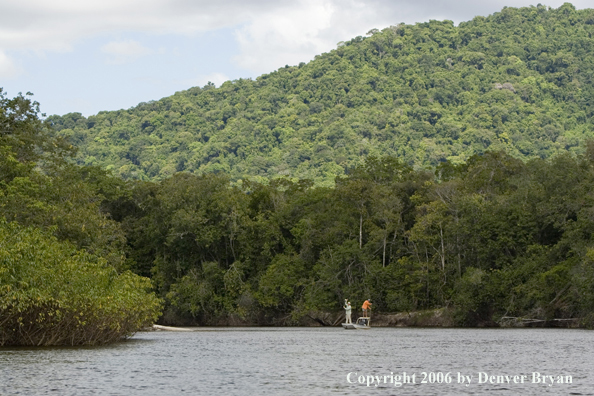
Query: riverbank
{"type": "Point", "coordinates": [441, 317]}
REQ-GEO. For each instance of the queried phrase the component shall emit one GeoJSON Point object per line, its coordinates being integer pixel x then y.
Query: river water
{"type": "Point", "coordinates": [312, 361]}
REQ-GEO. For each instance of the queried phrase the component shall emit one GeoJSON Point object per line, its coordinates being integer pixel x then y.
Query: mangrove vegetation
{"type": "Point", "coordinates": [63, 269]}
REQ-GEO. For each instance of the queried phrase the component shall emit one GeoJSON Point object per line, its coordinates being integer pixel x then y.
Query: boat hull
{"type": "Point", "coordinates": [360, 324]}
{"type": "Point", "coordinates": [352, 326]}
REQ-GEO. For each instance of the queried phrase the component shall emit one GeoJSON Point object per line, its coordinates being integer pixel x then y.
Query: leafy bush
{"type": "Point", "coordinates": [54, 294]}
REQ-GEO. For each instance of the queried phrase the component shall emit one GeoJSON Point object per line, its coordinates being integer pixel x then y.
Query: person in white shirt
{"type": "Point", "coordinates": [347, 311]}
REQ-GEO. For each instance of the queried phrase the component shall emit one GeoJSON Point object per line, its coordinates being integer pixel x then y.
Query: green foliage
{"type": "Point", "coordinates": [269, 200]}
{"type": "Point", "coordinates": [62, 267]}
{"type": "Point", "coordinates": [518, 81]}
{"type": "Point", "coordinates": [493, 237]}
{"type": "Point", "coordinates": [53, 294]}
{"type": "Point", "coordinates": [30, 138]}
{"type": "Point", "coordinates": [39, 187]}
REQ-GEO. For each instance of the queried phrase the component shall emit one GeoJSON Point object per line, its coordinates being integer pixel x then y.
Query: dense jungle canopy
{"type": "Point", "coordinates": [424, 167]}
{"type": "Point", "coordinates": [518, 81]}
{"type": "Point", "coordinates": [490, 238]}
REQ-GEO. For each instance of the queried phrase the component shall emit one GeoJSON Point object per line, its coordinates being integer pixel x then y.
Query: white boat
{"type": "Point", "coordinates": [361, 324]}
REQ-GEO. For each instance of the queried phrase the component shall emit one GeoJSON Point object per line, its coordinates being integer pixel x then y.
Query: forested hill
{"type": "Point", "coordinates": [519, 80]}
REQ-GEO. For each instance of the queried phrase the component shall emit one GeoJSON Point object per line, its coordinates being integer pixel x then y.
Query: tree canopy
{"type": "Point", "coordinates": [518, 81]}
{"type": "Point", "coordinates": [490, 238]}
{"type": "Point", "coordinates": [64, 277]}
{"type": "Point", "coordinates": [424, 166]}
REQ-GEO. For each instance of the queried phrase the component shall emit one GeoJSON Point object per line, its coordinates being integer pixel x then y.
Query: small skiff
{"type": "Point", "coordinates": [361, 324]}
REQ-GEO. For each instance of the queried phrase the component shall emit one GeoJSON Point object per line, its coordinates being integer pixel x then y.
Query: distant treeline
{"type": "Point", "coordinates": [489, 238]}
{"type": "Point", "coordinates": [518, 81]}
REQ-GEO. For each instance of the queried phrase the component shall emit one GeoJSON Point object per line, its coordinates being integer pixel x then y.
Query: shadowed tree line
{"type": "Point", "coordinates": [489, 238]}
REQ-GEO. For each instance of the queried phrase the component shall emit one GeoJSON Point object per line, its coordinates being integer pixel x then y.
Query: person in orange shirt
{"type": "Point", "coordinates": [366, 306]}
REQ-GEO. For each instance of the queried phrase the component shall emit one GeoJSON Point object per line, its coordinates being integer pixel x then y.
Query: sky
{"type": "Point", "coordinates": [89, 56]}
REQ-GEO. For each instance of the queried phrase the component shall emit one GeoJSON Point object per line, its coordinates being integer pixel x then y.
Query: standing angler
{"type": "Point", "coordinates": [366, 306]}
{"type": "Point", "coordinates": [347, 311]}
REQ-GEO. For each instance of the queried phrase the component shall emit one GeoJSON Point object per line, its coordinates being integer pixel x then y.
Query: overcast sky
{"type": "Point", "coordinates": [93, 55]}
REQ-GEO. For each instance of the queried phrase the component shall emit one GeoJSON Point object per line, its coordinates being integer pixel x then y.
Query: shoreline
{"type": "Point", "coordinates": [441, 317]}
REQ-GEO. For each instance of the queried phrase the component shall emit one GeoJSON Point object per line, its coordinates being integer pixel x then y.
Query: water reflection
{"type": "Point", "coordinates": [308, 361]}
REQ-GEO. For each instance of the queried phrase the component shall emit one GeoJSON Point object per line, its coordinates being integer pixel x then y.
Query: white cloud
{"type": "Point", "coordinates": [126, 51]}
{"type": "Point", "coordinates": [270, 33]}
{"type": "Point", "coordinates": [8, 69]}
{"type": "Point", "coordinates": [216, 78]}
{"type": "Point", "coordinates": [55, 25]}
{"type": "Point", "coordinates": [299, 31]}
{"type": "Point", "coordinates": [286, 35]}
{"type": "Point", "coordinates": [294, 32]}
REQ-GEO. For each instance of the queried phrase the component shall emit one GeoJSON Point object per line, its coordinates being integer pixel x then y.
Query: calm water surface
{"type": "Point", "coordinates": [307, 361]}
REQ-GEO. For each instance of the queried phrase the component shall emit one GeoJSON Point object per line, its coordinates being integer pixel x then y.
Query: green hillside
{"type": "Point", "coordinates": [519, 80]}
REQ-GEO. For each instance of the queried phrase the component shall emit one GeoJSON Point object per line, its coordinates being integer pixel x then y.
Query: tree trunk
{"type": "Point", "coordinates": [384, 258]}
{"type": "Point", "coordinates": [361, 231]}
